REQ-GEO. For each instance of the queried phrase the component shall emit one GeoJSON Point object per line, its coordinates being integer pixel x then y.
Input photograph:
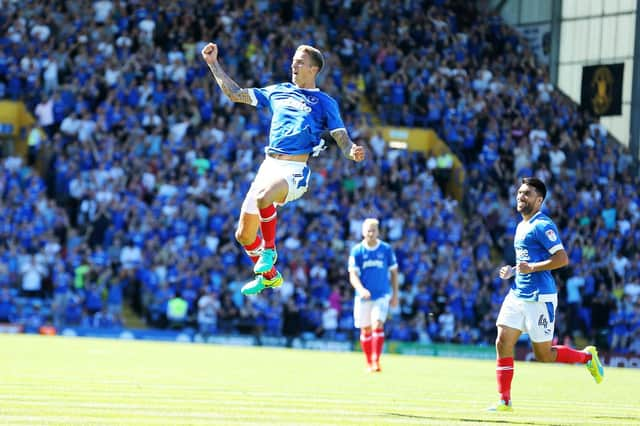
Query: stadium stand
{"type": "Point", "coordinates": [143, 162]}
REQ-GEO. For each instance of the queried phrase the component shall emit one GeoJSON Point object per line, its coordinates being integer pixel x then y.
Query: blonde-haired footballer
{"type": "Point", "coordinates": [373, 273]}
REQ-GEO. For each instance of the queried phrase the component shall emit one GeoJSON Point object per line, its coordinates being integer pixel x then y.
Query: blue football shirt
{"type": "Point", "coordinates": [298, 118]}
{"type": "Point", "coordinates": [536, 240]}
{"type": "Point", "coordinates": [372, 266]}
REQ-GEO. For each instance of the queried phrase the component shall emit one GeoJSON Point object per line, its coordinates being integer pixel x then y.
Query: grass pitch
{"type": "Point", "coordinates": [57, 380]}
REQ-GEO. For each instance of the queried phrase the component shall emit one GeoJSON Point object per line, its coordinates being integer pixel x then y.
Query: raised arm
{"type": "Point", "coordinates": [349, 149]}
{"type": "Point", "coordinates": [229, 87]}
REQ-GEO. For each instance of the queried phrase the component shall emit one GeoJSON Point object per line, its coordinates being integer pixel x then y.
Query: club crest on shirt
{"type": "Point", "coordinates": [551, 235]}
{"type": "Point", "coordinates": [312, 100]}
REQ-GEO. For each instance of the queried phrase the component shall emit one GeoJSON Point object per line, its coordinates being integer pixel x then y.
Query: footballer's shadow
{"type": "Point", "coordinates": [471, 420]}
{"type": "Point", "coordinates": [634, 418]}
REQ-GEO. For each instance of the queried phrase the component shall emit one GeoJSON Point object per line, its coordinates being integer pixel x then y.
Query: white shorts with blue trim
{"type": "Point", "coordinates": [536, 318]}
{"type": "Point", "coordinates": [296, 174]}
{"type": "Point", "coordinates": [367, 312]}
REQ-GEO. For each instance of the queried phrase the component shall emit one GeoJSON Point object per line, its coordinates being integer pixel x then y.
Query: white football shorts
{"type": "Point", "coordinates": [536, 318]}
{"type": "Point", "coordinates": [367, 312]}
{"type": "Point", "coordinates": [296, 174]}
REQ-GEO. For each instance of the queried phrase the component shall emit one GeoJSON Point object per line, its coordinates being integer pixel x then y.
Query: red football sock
{"type": "Point", "coordinates": [569, 355]}
{"type": "Point", "coordinates": [378, 343]}
{"type": "Point", "coordinates": [504, 375]}
{"type": "Point", "coordinates": [271, 274]}
{"type": "Point", "coordinates": [268, 220]}
{"type": "Point", "coordinates": [253, 249]}
{"type": "Point", "coordinates": [365, 342]}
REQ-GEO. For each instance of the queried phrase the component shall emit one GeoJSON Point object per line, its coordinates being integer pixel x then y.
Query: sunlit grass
{"type": "Point", "coordinates": [56, 380]}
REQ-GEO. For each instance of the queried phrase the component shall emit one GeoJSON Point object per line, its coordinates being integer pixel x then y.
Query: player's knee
{"type": "Point", "coordinates": [263, 199]}
{"type": "Point", "coordinates": [503, 347]}
{"type": "Point", "coordinates": [262, 195]}
{"type": "Point", "coordinates": [277, 193]}
{"type": "Point", "coordinates": [243, 237]}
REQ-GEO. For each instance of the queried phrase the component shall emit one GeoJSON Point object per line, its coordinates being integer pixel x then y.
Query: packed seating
{"type": "Point", "coordinates": [145, 162]}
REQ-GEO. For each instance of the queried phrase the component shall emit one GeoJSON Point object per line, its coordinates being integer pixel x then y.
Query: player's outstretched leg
{"type": "Point", "coordinates": [588, 356]}
{"type": "Point", "coordinates": [272, 279]}
{"type": "Point", "coordinates": [594, 365]}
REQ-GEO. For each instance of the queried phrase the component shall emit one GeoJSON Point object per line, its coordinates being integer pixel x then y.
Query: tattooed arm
{"type": "Point", "coordinates": [229, 87]}
{"type": "Point", "coordinates": [349, 149]}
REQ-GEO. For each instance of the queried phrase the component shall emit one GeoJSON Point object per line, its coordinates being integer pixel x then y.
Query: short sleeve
{"type": "Point", "coordinates": [260, 96]}
{"type": "Point", "coordinates": [549, 237]}
{"type": "Point", "coordinates": [334, 120]}
{"type": "Point", "coordinates": [393, 263]}
{"type": "Point", "coordinates": [354, 261]}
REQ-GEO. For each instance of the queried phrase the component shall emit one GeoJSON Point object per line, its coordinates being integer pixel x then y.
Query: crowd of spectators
{"type": "Point", "coordinates": [144, 162]}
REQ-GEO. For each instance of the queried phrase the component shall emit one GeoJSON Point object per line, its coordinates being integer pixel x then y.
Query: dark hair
{"type": "Point", "coordinates": [317, 59]}
{"type": "Point", "coordinates": [537, 184]}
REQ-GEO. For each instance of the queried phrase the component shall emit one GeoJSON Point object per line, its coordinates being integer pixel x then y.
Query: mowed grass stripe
{"type": "Point", "coordinates": [277, 416]}
{"type": "Point", "coordinates": [307, 408]}
{"type": "Point", "coordinates": [264, 417]}
{"type": "Point", "coordinates": [65, 420]}
{"type": "Point", "coordinates": [263, 400]}
{"type": "Point", "coordinates": [51, 412]}
{"type": "Point", "coordinates": [19, 405]}
{"type": "Point", "coordinates": [132, 419]}
{"type": "Point", "coordinates": [141, 411]}
{"type": "Point", "coordinates": [156, 411]}
{"type": "Point", "coordinates": [13, 401]}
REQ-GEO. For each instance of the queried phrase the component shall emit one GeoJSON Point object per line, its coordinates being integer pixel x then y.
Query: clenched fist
{"type": "Point", "coordinates": [210, 53]}
{"type": "Point", "coordinates": [507, 272]}
{"type": "Point", "coordinates": [357, 153]}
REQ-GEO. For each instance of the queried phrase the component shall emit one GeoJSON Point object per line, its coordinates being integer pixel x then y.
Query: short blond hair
{"type": "Point", "coordinates": [316, 56]}
{"type": "Point", "coordinates": [370, 221]}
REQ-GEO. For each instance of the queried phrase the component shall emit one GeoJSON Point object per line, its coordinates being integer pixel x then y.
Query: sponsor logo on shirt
{"type": "Point", "coordinates": [373, 264]}
{"type": "Point", "coordinates": [522, 253]}
{"type": "Point", "coordinates": [293, 103]}
{"type": "Point", "coordinates": [551, 235]}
